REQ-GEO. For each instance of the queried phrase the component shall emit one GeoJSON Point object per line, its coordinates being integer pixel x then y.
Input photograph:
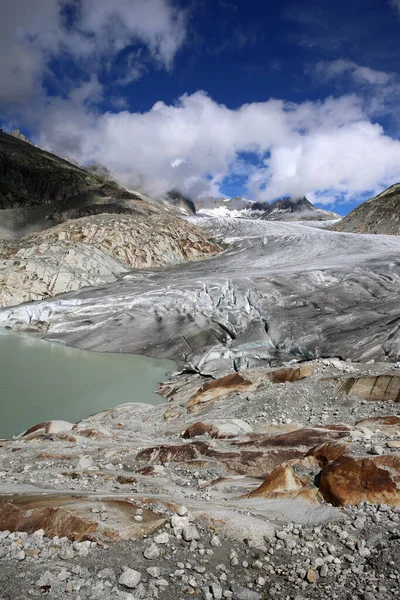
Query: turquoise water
{"type": "Point", "coordinates": [42, 381]}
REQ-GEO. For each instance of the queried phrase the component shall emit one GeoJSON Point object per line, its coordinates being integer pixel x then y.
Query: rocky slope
{"type": "Point", "coordinates": [266, 484]}
{"type": "Point", "coordinates": [95, 250]}
{"type": "Point", "coordinates": [38, 189]}
{"type": "Point", "coordinates": [380, 214]}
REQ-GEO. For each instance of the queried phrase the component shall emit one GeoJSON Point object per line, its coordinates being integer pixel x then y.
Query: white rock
{"type": "Point", "coordinates": [152, 552]}
{"type": "Point", "coordinates": [130, 578]}
{"type": "Point", "coordinates": [85, 462]}
{"type": "Point", "coordinates": [190, 533]}
{"type": "Point", "coordinates": [162, 538]}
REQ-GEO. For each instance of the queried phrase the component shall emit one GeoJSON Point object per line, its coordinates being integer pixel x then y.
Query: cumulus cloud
{"type": "Point", "coordinates": [329, 148]}
{"type": "Point", "coordinates": [90, 32]}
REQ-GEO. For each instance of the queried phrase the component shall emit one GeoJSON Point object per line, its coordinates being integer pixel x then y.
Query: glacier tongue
{"type": "Point", "coordinates": [280, 292]}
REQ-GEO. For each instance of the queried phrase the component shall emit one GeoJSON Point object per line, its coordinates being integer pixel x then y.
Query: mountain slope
{"type": "Point", "coordinates": [39, 189]}
{"type": "Point", "coordinates": [380, 214]}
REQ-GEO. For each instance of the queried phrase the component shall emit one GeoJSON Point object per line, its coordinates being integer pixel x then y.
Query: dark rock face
{"type": "Point", "coordinates": [380, 214]}
{"type": "Point", "coordinates": [30, 176]}
{"type": "Point", "coordinates": [293, 205]}
{"type": "Point", "coordinates": [39, 189]}
{"type": "Point", "coordinates": [178, 199]}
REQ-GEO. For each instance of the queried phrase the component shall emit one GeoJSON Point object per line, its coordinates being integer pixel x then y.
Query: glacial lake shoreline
{"type": "Point", "coordinates": [43, 381]}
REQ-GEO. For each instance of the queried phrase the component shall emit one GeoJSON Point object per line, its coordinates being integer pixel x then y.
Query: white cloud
{"type": "Point", "coordinates": [33, 32]}
{"type": "Point", "coordinates": [328, 148]}
{"type": "Point", "coordinates": [331, 69]}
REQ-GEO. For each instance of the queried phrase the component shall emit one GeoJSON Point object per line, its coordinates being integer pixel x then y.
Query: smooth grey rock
{"type": "Point", "coordinates": [152, 552]}
{"type": "Point", "coordinates": [130, 578]}
{"type": "Point", "coordinates": [241, 593]}
{"type": "Point", "coordinates": [190, 533]}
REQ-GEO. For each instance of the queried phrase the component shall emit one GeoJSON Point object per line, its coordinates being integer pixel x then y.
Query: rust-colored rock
{"type": "Point", "coordinates": [217, 389]}
{"type": "Point", "coordinates": [254, 462]}
{"type": "Point", "coordinates": [304, 438]}
{"type": "Point", "coordinates": [328, 452]}
{"type": "Point", "coordinates": [73, 518]}
{"type": "Point", "coordinates": [199, 428]}
{"type": "Point", "coordinates": [351, 480]}
{"type": "Point", "coordinates": [291, 480]}
{"type": "Point", "coordinates": [374, 388]}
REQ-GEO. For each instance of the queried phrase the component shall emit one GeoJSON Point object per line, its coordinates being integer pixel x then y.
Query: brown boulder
{"type": "Point", "coordinates": [328, 452]}
{"type": "Point", "coordinates": [351, 480]}
{"type": "Point", "coordinates": [291, 480]}
{"type": "Point", "coordinates": [217, 389]}
{"type": "Point", "coordinates": [218, 429]}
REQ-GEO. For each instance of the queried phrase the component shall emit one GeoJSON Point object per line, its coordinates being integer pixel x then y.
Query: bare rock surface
{"type": "Point", "coordinates": [95, 250]}
{"type": "Point", "coordinates": [250, 481]}
{"type": "Point", "coordinates": [299, 500]}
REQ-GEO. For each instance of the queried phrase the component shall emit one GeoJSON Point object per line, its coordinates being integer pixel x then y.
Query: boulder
{"type": "Point", "coordinates": [218, 429]}
{"type": "Point", "coordinates": [291, 480]}
{"type": "Point", "coordinates": [350, 480]}
{"type": "Point", "coordinates": [218, 389]}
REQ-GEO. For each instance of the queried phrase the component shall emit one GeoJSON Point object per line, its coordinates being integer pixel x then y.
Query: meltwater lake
{"type": "Point", "coordinates": [43, 381]}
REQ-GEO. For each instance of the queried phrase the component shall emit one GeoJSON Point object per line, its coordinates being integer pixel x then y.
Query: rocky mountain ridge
{"type": "Point", "coordinates": [380, 214]}
{"type": "Point", "coordinates": [284, 209]}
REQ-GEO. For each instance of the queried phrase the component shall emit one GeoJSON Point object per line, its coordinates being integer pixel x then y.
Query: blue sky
{"type": "Point", "coordinates": [222, 97]}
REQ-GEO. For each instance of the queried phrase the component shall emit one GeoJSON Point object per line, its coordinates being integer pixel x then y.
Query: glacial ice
{"type": "Point", "coordinates": [279, 292]}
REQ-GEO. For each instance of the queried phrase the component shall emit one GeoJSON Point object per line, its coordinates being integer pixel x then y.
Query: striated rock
{"type": "Point", "coordinates": [390, 423]}
{"type": "Point", "coordinates": [374, 388]}
{"type": "Point", "coordinates": [74, 518]}
{"type": "Point", "coordinates": [351, 480]}
{"type": "Point", "coordinates": [95, 250]}
{"type": "Point", "coordinates": [300, 438]}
